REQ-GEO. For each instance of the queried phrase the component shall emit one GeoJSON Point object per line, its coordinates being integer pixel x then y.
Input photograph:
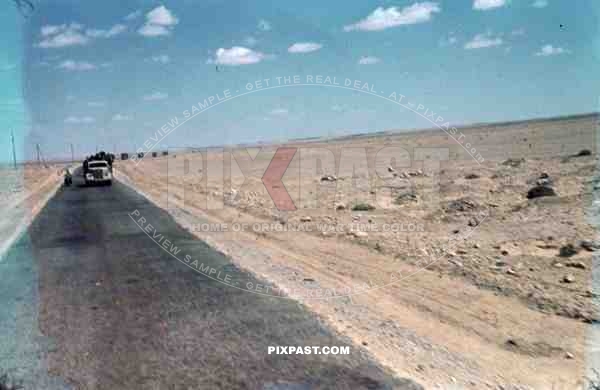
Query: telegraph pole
{"type": "Point", "coordinates": [72, 154]}
{"type": "Point", "coordinates": [37, 150]}
{"type": "Point", "coordinates": [12, 141]}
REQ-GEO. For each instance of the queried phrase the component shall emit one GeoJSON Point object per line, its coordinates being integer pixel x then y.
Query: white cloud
{"type": "Point", "coordinates": [382, 18]}
{"type": "Point", "coordinates": [54, 36]}
{"type": "Point", "coordinates": [152, 30]}
{"type": "Point", "coordinates": [134, 15]}
{"type": "Point", "coordinates": [76, 65]}
{"type": "Point", "coordinates": [263, 25]}
{"type": "Point", "coordinates": [160, 21]}
{"type": "Point", "coordinates": [540, 3]}
{"type": "Point", "coordinates": [79, 120]}
{"type": "Point", "coordinates": [156, 96]}
{"type": "Point", "coordinates": [51, 29]}
{"type": "Point", "coordinates": [62, 35]}
{"type": "Point", "coordinates": [549, 50]}
{"type": "Point", "coordinates": [121, 117]}
{"type": "Point", "coordinates": [96, 104]}
{"type": "Point", "coordinates": [304, 47]}
{"type": "Point", "coordinates": [236, 56]}
{"type": "Point", "coordinates": [279, 111]}
{"type": "Point", "coordinates": [484, 5]}
{"type": "Point", "coordinates": [369, 60]}
{"type": "Point", "coordinates": [161, 59]}
{"type": "Point", "coordinates": [99, 33]}
{"type": "Point", "coordinates": [481, 41]}
{"type": "Point", "coordinates": [161, 16]}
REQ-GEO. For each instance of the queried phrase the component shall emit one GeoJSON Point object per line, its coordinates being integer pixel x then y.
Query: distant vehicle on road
{"type": "Point", "coordinates": [98, 171]}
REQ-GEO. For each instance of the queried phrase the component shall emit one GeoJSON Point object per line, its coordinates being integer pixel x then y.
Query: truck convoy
{"type": "Point", "coordinates": [97, 169]}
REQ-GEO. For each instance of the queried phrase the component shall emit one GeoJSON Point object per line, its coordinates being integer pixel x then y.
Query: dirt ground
{"type": "Point", "coordinates": [449, 274]}
{"type": "Point", "coordinates": [23, 192]}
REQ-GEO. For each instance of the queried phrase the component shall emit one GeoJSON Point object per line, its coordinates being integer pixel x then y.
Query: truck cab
{"type": "Point", "coordinates": [98, 171]}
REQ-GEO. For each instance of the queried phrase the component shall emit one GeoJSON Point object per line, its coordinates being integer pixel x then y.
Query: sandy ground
{"type": "Point", "coordinates": [23, 193]}
{"type": "Point", "coordinates": [472, 285]}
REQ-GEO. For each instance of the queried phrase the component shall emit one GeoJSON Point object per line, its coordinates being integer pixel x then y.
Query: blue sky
{"type": "Point", "coordinates": [109, 74]}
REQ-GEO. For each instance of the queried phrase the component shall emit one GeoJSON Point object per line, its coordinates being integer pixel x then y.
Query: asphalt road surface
{"type": "Point", "coordinates": [88, 301]}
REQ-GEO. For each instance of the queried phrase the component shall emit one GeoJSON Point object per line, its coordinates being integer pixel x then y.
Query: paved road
{"type": "Point", "coordinates": [88, 301]}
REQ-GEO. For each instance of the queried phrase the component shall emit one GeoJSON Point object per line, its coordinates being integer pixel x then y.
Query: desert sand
{"type": "Point", "coordinates": [446, 272]}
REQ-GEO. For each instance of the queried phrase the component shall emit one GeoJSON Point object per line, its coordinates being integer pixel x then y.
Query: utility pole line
{"type": "Point", "coordinates": [37, 150]}
{"type": "Point", "coordinates": [72, 154]}
{"type": "Point", "coordinates": [12, 140]}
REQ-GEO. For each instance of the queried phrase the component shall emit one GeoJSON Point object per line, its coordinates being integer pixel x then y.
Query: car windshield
{"type": "Point", "coordinates": [98, 165]}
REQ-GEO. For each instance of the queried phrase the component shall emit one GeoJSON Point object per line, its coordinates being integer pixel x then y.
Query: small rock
{"type": "Point", "coordinates": [576, 264]}
{"type": "Point", "coordinates": [340, 206]}
{"type": "Point", "coordinates": [308, 280]}
{"type": "Point", "coordinates": [569, 355]}
{"type": "Point", "coordinates": [365, 343]}
{"type": "Point", "coordinates": [567, 251]}
{"type": "Point", "coordinates": [406, 197]}
{"type": "Point", "coordinates": [558, 265]}
{"type": "Point", "coordinates": [476, 246]}
{"type": "Point", "coordinates": [569, 278]}
{"type": "Point", "coordinates": [305, 219]}
{"type": "Point", "coordinates": [504, 252]}
{"type": "Point", "coordinates": [328, 178]}
{"type": "Point", "coordinates": [540, 191]}
{"type": "Point", "coordinates": [512, 342]}
{"type": "Point", "coordinates": [360, 234]}
{"type": "Point", "coordinates": [456, 263]}
{"type": "Point", "coordinates": [420, 367]}
{"type": "Point", "coordinates": [472, 176]}
{"type": "Point", "coordinates": [460, 205]}
{"type": "Point", "coordinates": [391, 169]}
{"type": "Point", "coordinates": [589, 245]}
{"type": "Point", "coordinates": [473, 222]}
{"type": "Point", "coordinates": [513, 162]}
{"type": "Point", "coordinates": [584, 152]}
{"type": "Point", "coordinates": [511, 272]}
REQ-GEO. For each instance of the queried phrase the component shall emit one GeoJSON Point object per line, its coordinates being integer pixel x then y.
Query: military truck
{"type": "Point", "coordinates": [98, 168]}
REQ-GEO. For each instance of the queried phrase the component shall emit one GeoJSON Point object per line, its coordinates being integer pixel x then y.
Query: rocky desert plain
{"type": "Point", "coordinates": [460, 269]}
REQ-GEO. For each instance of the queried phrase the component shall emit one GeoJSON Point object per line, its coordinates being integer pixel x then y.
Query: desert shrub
{"type": "Point", "coordinates": [363, 207]}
